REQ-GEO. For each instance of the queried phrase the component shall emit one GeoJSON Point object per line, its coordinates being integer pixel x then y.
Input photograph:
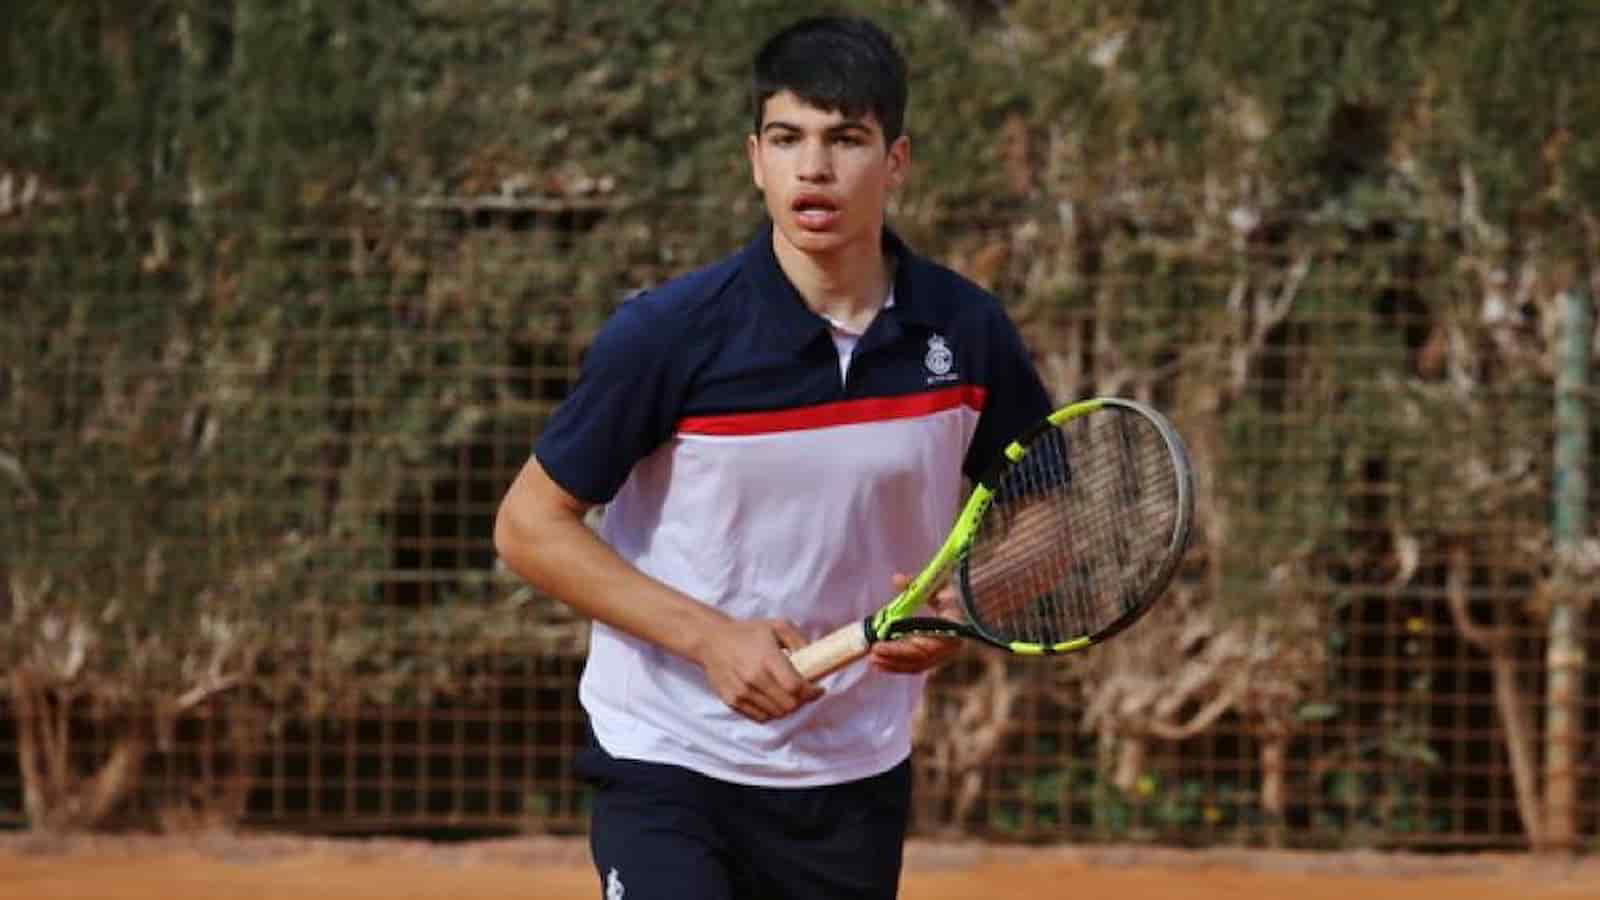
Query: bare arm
{"type": "Point", "coordinates": [540, 534]}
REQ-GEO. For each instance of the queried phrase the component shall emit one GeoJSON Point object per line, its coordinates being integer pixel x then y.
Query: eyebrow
{"type": "Point", "coordinates": [847, 126]}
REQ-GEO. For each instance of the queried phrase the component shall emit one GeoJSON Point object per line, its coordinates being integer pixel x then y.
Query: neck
{"type": "Point", "coordinates": [847, 286]}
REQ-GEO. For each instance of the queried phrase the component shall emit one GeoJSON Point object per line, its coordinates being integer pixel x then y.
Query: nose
{"type": "Point", "coordinates": [816, 164]}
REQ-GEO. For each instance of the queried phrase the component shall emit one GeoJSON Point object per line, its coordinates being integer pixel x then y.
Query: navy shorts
{"type": "Point", "coordinates": [661, 831]}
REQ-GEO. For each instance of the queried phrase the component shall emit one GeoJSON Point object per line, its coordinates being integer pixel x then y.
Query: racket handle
{"type": "Point", "coordinates": [834, 652]}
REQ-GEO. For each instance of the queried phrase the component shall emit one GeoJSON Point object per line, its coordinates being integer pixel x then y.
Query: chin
{"type": "Point", "coordinates": [818, 242]}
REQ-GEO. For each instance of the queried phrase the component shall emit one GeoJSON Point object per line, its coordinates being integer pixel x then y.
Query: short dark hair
{"type": "Point", "coordinates": [838, 63]}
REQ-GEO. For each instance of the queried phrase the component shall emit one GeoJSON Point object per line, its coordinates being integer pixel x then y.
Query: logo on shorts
{"type": "Point", "coordinates": [939, 358]}
{"type": "Point", "coordinates": [614, 890]}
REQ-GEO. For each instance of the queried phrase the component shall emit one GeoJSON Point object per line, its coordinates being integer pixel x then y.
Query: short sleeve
{"type": "Point", "coordinates": [1014, 396]}
{"type": "Point", "coordinates": [625, 404]}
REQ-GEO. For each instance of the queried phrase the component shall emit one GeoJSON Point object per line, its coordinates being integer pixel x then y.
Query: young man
{"type": "Point", "coordinates": [778, 438]}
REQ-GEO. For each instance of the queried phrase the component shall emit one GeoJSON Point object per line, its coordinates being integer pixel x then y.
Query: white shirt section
{"type": "Point", "coordinates": [845, 340]}
{"type": "Point", "coordinates": [805, 525]}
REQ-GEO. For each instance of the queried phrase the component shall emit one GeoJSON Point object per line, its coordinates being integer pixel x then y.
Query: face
{"type": "Point", "coordinates": [825, 176]}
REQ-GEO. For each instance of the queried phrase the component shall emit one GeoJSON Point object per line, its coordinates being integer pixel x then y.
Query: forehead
{"type": "Point", "coordinates": [786, 107]}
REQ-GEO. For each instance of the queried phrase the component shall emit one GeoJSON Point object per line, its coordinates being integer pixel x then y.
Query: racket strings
{"type": "Point", "coordinates": [1077, 532]}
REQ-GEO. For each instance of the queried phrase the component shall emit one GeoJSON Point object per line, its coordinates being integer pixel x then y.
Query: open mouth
{"type": "Point", "coordinates": [815, 211]}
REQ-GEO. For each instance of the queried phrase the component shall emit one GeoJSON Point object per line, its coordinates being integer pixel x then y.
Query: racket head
{"type": "Point", "coordinates": [1088, 517]}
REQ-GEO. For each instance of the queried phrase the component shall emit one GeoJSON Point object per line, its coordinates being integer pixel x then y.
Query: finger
{"type": "Point", "coordinates": [913, 649]}
{"type": "Point", "coordinates": [899, 665]}
{"type": "Point", "coordinates": [758, 696]}
{"type": "Point", "coordinates": [893, 666]}
{"type": "Point", "coordinates": [946, 605]}
{"type": "Point", "coordinates": [777, 689]}
{"type": "Point", "coordinates": [751, 711]}
{"type": "Point", "coordinates": [896, 659]}
{"type": "Point", "coordinates": [794, 687]}
{"type": "Point", "coordinates": [761, 704]}
{"type": "Point", "coordinates": [745, 706]}
{"type": "Point", "coordinates": [789, 637]}
{"type": "Point", "coordinates": [914, 654]}
{"type": "Point", "coordinates": [790, 683]}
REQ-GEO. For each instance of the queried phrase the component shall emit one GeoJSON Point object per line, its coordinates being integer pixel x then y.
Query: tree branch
{"type": "Point", "coordinates": [1508, 700]}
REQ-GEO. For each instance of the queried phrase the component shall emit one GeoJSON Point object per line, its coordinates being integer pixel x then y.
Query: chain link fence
{"type": "Point", "coordinates": [249, 576]}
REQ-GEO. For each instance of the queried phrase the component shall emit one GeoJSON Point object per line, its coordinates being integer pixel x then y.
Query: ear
{"type": "Point", "coordinates": [899, 160]}
{"type": "Point", "coordinates": [752, 150]}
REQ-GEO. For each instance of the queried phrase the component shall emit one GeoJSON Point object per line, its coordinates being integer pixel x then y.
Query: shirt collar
{"type": "Point", "coordinates": [793, 325]}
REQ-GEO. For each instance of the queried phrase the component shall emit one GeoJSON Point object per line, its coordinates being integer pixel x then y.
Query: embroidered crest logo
{"type": "Point", "coordinates": [614, 888]}
{"type": "Point", "coordinates": [939, 358]}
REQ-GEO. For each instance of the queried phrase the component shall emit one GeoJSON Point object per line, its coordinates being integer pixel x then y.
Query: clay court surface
{"type": "Point", "coordinates": [228, 867]}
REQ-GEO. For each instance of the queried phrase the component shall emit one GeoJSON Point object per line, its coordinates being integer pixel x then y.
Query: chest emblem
{"type": "Point", "coordinates": [939, 359]}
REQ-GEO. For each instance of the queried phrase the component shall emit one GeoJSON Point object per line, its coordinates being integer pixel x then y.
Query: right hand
{"type": "Point", "coordinates": [747, 665]}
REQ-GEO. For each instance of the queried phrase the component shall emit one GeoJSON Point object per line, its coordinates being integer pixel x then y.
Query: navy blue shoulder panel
{"type": "Point", "coordinates": [986, 345]}
{"type": "Point", "coordinates": [634, 380]}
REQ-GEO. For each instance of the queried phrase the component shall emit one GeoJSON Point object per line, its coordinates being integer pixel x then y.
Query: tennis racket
{"type": "Point", "coordinates": [1068, 539]}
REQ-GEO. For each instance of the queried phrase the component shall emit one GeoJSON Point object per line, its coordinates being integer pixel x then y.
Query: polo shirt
{"type": "Point", "coordinates": [739, 464]}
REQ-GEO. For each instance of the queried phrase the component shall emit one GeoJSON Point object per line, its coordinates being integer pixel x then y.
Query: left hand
{"type": "Point", "coordinates": [919, 652]}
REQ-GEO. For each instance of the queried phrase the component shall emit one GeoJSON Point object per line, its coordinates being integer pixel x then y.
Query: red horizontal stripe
{"type": "Point", "coordinates": [845, 412]}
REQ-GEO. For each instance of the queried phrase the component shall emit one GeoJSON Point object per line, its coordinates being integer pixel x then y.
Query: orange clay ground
{"type": "Point", "coordinates": [275, 867]}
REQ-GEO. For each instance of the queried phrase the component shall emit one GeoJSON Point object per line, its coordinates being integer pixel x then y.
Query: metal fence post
{"type": "Point", "coordinates": [1564, 657]}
